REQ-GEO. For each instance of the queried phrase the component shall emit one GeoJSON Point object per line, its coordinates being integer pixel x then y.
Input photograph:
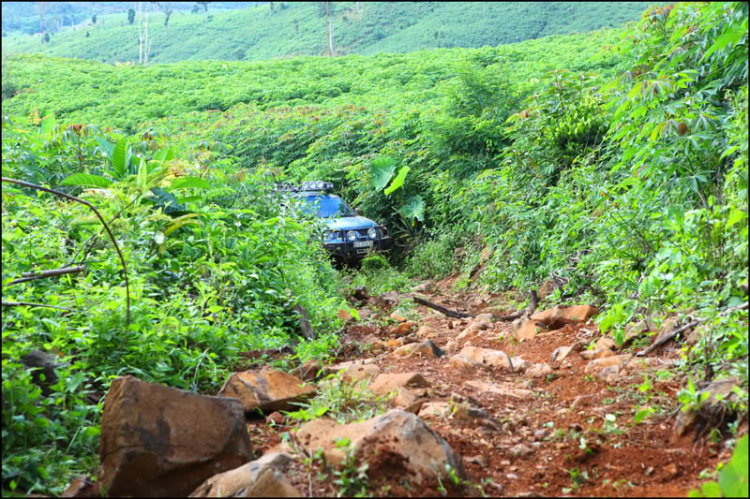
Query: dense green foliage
{"type": "Point", "coordinates": [296, 29]}
{"type": "Point", "coordinates": [616, 161]}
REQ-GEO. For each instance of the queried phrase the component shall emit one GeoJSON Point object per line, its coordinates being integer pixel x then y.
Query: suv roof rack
{"type": "Point", "coordinates": [311, 185]}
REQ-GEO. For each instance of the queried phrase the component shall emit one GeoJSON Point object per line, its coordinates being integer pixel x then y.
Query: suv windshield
{"type": "Point", "coordinates": [327, 206]}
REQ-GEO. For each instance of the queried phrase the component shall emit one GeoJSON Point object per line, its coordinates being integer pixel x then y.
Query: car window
{"type": "Point", "coordinates": [327, 206]}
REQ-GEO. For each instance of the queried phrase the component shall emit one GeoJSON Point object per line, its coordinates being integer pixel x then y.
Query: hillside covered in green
{"type": "Point", "coordinates": [614, 162]}
{"type": "Point", "coordinates": [287, 29]}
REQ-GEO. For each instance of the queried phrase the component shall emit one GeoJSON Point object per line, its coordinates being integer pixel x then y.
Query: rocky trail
{"type": "Point", "coordinates": [542, 406]}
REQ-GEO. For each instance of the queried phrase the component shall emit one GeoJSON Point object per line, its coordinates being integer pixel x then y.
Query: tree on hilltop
{"type": "Point", "coordinates": [131, 16]}
{"type": "Point", "coordinates": [326, 8]}
{"type": "Point", "coordinates": [166, 7]}
{"type": "Point", "coordinates": [41, 9]}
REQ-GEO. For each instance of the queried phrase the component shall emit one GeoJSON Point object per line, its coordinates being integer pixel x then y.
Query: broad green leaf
{"type": "Point", "coordinates": [382, 170]}
{"type": "Point", "coordinates": [86, 179]}
{"type": "Point", "coordinates": [733, 35]}
{"type": "Point", "coordinates": [735, 217]}
{"type": "Point", "coordinates": [119, 155]}
{"type": "Point", "coordinates": [106, 146]}
{"type": "Point", "coordinates": [180, 221]}
{"type": "Point", "coordinates": [641, 415]}
{"type": "Point", "coordinates": [733, 478]}
{"type": "Point", "coordinates": [185, 182]}
{"type": "Point", "coordinates": [711, 489]}
{"type": "Point", "coordinates": [414, 208]}
{"type": "Point", "coordinates": [163, 155]}
{"type": "Point", "coordinates": [398, 181]}
{"type": "Point", "coordinates": [47, 125]}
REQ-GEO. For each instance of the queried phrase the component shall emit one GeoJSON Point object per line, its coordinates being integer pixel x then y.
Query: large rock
{"type": "Point", "coordinates": [597, 354]}
{"type": "Point", "coordinates": [539, 371]}
{"type": "Point", "coordinates": [44, 364]}
{"type": "Point", "coordinates": [472, 329]}
{"type": "Point", "coordinates": [462, 364]}
{"type": "Point", "coordinates": [716, 409]}
{"type": "Point", "coordinates": [597, 365]}
{"type": "Point", "coordinates": [426, 349]}
{"type": "Point", "coordinates": [158, 441]}
{"type": "Point", "coordinates": [487, 357]}
{"type": "Point", "coordinates": [526, 329]}
{"type": "Point", "coordinates": [426, 332]}
{"type": "Point", "coordinates": [401, 436]}
{"type": "Point", "coordinates": [359, 372]}
{"type": "Point", "coordinates": [557, 317]}
{"type": "Point", "coordinates": [266, 390]}
{"type": "Point", "coordinates": [309, 370]}
{"type": "Point", "coordinates": [387, 300]}
{"type": "Point", "coordinates": [388, 382]}
{"type": "Point", "coordinates": [263, 477]}
{"type": "Point", "coordinates": [506, 389]}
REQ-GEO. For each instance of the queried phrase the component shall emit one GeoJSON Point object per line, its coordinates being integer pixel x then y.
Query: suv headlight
{"type": "Point", "coordinates": [351, 235]}
{"type": "Point", "coordinates": [372, 233]}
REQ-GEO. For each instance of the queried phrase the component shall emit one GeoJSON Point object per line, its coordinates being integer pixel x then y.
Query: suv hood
{"type": "Point", "coordinates": [346, 223]}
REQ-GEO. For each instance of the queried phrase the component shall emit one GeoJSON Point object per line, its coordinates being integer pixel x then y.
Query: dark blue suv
{"type": "Point", "coordinates": [349, 237]}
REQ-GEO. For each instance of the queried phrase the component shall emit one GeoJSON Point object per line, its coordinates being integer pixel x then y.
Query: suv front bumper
{"type": "Point", "coordinates": [347, 250]}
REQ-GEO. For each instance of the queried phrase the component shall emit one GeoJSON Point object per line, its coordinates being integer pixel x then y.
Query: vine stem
{"type": "Point", "coordinates": [96, 212]}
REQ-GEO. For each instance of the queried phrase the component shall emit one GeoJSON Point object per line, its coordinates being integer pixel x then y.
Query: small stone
{"type": "Point", "coordinates": [540, 435]}
{"type": "Point", "coordinates": [403, 329]}
{"type": "Point", "coordinates": [396, 316]}
{"type": "Point", "coordinates": [275, 418]}
{"type": "Point", "coordinates": [479, 460]}
{"type": "Point", "coordinates": [387, 382]}
{"type": "Point", "coordinates": [520, 451]}
{"type": "Point", "coordinates": [426, 332]}
{"type": "Point", "coordinates": [539, 371]}
{"type": "Point", "coordinates": [425, 349]}
{"type": "Point", "coordinates": [610, 374]}
{"type": "Point", "coordinates": [597, 354]}
{"type": "Point", "coordinates": [559, 354]}
{"type": "Point", "coordinates": [463, 364]}
{"type": "Point", "coordinates": [487, 357]}
{"type": "Point", "coordinates": [557, 317]}
{"type": "Point", "coordinates": [597, 365]}
{"type": "Point", "coordinates": [672, 470]}
{"type": "Point", "coordinates": [519, 364]}
{"type": "Point", "coordinates": [472, 329]}
{"type": "Point", "coordinates": [605, 343]}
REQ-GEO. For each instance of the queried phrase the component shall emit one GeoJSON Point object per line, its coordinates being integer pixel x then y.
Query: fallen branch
{"type": "Point", "coordinates": [446, 311]}
{"type": "Point", "coordinates": [29, 304]}
{"type": "Point", "coordinates": [668, 337]}
{"type": "Point", "coordinates": [533, 302]}
{"type": "Point", "coordinates": [96, 212]}
{"type": "Point", "coordinates": [30, 276]}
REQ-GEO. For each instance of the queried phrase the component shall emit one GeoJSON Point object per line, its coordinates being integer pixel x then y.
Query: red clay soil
{"type": "Point", "coordinates": [578, 453]}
